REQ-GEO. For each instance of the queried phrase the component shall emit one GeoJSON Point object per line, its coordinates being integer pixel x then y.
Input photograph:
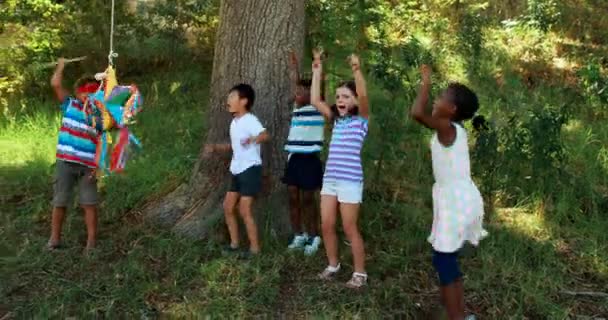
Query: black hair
{"type": "Point", "coordinates": [84, 80]}
{"type": "Point", "coordinates": [305, 83]}
{"type": "Point", "coordinates": [354, 111]}
{"type": "Point", "coordinates": [465, 100]}
{"type": "Point", "coordinates": [480, 124]}
{"type": "Point", "coordinates": [245, 91]}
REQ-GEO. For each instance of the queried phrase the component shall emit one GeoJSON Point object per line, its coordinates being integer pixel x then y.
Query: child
{"type": "Point", "coordinates": [246, 134]}
{"type": "Point", "coordinates": [75, 158]}
{"type": "Point", "coordinates": [343, 179]}
{"type": "Point", "coordinates": [457, 203]}
{"type": "Point", "coordinates": [304, 170]}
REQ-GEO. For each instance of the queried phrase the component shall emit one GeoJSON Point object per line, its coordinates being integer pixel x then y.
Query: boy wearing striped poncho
{"type": "Point", "coordinates": [75, 164]}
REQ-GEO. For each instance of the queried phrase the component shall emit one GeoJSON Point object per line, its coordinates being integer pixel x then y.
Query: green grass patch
{"type": "Point", "coordinates": [535, 249]}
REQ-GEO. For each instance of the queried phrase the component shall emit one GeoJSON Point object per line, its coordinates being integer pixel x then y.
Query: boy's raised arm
{"type": "Point", "coordinates": [60, 92]}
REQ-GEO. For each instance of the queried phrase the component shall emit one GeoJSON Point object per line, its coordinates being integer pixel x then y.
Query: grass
{"type": "Point", "coordinates": [534, 250]}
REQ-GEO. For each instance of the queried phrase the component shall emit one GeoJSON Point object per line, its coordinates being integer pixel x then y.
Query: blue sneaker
{"type": "Point", "coordinates": [299, 241]}
{"type": "Point", "coordinates": [312, 246]}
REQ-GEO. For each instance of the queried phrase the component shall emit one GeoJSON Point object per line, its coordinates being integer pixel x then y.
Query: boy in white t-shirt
{"type": "Point", "coordinates": [246, 134]}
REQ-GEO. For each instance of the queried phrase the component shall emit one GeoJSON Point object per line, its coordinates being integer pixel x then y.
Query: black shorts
{"type": "Point", "coordinates": [304, 171]}
{"type": "Point", "coordinates": [247, 183]}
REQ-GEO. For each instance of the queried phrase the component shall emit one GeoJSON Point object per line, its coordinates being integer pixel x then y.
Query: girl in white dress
{"type": "Point", "coordinates": [457, 203]}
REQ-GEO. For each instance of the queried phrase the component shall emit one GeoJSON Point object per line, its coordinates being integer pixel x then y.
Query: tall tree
{"type": "Point", "coordinates": [253, 41]}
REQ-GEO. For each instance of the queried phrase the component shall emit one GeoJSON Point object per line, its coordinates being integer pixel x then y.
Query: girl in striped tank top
{"type": "Point", "coordinates": [343, 179]}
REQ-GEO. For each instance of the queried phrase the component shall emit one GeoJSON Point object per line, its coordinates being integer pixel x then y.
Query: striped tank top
{"type": "Point", "coordinates": [344, 159]}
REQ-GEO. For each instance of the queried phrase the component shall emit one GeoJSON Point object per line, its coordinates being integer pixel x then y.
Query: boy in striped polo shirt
{"type": "Point", "coordinates": [304, 170]}
{"type": "Point", "coordinates": [75, 158]}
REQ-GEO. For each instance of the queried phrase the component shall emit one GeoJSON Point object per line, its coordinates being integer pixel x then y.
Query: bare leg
{"type": "Point", "coordinates": [350, 215]}
{"type": "Point", "coordinates": [329, 206]}
{"type": "Point", "coordinates": [312, 212]}
{"type": "Point", "coordinates": [294, 209]}
{"type": "Point", "coordinates": [233, 226]}
{"type": "Point", "coordinates": [453, 297]}
{"type": "Point", "coordinates": [56, 225]}
{"type": "Point", "coordinates": [252, 228]}
{"type": "Point", "coordinates": [90, 219]}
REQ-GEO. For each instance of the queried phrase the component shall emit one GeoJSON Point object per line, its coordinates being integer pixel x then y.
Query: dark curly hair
{"type": "Point", "coordinates": [464, 99]}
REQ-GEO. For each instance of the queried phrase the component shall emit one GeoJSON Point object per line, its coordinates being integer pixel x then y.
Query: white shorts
{"type": "Point", "coordinates": [345, 191]}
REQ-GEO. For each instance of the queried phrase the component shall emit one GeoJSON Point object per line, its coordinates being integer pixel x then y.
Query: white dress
{"type": "Point", "coordinates": [457, 203]}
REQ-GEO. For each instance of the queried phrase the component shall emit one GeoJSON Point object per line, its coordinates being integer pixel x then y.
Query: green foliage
{"type": "Point", "coordinates": [543, 14]}
{"type": "Point", "coordinates": [542, 164]}
{"type": "Point", "coordinates": [470, 36]}
{"type": "Point", "coordinates": [531, 153]}
{"type": "Point", "coordinates": [37, 32]}
{"type": "Point", "coordinates": [30, 34]}
{"type": "Point", "coordinates": [594, 84]}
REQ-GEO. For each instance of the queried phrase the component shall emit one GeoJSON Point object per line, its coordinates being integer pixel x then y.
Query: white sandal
{"type": "Point", "coordinates": [329, 273]}
{"type": "Point", "coordinates": [357, 281]}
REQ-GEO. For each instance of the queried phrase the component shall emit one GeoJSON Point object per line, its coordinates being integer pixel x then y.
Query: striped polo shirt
{"type": "Point", "coordinates": [77, 138]}
{"type": "Point", "coordinates": [306, 131]}
{"type": "Point", "coordinates": [344, 159]}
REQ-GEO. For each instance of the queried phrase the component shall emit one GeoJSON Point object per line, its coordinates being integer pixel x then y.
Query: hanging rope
{"type": "Point", "coordinates": [112, 54]}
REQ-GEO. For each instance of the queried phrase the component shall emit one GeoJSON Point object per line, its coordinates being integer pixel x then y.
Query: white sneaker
{"type": "Point", "coordinates": [299, 241]}
{"type": "Point", "coordinates": [313, 246]}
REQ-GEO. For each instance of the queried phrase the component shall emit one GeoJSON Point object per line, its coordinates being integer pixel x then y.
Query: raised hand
{"type": "Point", "coordinates": [60, 92]}
{"type": "Point", "coordinates": [293, 59]}
{"type": "Point", "coordinates": [316, 55]}
{"type": "Point", "coordinates": [354, 62]}
{"type": "Point", "coordinates": [426, 71]}
{"type": "Point", "coordinates": [315, 89]}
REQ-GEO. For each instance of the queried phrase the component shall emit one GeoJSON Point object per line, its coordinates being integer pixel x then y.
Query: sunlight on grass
{"type": "Point", "coordinates": [524, 222]}
{"type": "Point", "coordinates": [573, 126]}
{"type": "Point", "coordinates": [28, 139]}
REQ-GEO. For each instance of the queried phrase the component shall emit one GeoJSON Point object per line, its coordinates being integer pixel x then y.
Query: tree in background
{"type": "Point", "coordinates": [253, 41]}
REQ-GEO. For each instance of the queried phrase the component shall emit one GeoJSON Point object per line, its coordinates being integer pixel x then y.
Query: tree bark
{"type": "Point", "coordinates": [253, 41]}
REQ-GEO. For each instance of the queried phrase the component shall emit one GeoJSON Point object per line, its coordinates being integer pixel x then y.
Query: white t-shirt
{"type": "Point", "coordinates": [244, 156]}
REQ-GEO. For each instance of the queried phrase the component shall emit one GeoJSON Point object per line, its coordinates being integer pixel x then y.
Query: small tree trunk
{"type": "Point", "coordinates": [253, 41]}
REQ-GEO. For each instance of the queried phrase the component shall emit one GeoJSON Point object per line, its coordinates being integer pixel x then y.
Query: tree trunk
{"type": "Point", "coordinates": [253, 41]}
